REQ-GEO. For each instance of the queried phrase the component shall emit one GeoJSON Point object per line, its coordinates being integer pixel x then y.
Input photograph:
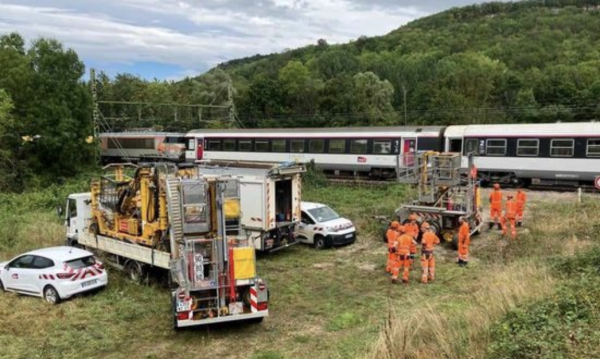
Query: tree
{"type": "Point", "coordinates": [373, 98]}
{"type": "Point", "coordinates": [300, 88]}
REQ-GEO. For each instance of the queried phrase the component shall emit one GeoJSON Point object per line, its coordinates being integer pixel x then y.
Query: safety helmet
{"type": "Point", "coordinates": [509, 196]}
{"type": "Point", "coordinates": [496, 186]}
{"type": "Point", "coordinates": [401, 229]}
{"type": "Point", "coordinates": [395, 225]}
{"type": "Point", "coordinates": [412, 217]}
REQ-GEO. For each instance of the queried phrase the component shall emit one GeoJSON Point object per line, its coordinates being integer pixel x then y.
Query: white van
{"type": "Point", "coordinates": [322, 226]}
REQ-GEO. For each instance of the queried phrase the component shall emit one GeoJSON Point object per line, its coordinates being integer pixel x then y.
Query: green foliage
{"type": "Point", "coordinates": [565, 325]}
{"type": "Point", "coordinates": [49, 102]}
{"type": "Point", "coordinates": [313, 177]}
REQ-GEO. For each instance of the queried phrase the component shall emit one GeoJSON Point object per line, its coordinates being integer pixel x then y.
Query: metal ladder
{"type": "Point", "coordinates": [174, 212]}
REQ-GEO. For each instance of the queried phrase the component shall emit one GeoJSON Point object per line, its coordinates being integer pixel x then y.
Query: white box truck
{"type": "Point", "coordinates": [270, 196]}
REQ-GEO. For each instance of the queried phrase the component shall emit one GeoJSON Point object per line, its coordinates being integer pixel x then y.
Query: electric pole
{"type": "Point", "coordinates": [95, 116]}
{"type": "Point", "coordinates": [404, 90]}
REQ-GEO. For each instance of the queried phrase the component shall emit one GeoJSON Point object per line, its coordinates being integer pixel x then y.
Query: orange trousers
{"type": "Point", "coordinates": [495, 214]}
{"type": "Point", "coordinates": [390, 262]}
{"type": "Point", "coordinates": [520, 209]}
{"type": "Point", "coordinates": [513, 227]}
{"type": "Point", "coordinates": [428, 266]}
{"type": "Point", "coordinates": [463, 253]}
{"type": "Point", "coordinates": [402, 262]}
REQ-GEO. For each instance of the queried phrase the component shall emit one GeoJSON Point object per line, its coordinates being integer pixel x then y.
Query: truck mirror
{"type": "Point", "coordinates": [59, 211]}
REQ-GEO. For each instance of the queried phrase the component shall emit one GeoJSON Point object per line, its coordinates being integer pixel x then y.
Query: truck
{"type": "Point", "coordinates": [175, 220]}
{"type": "Point", "coordinates": [271, 196]}
{"type": "Point", "coordinates": [445, 192]}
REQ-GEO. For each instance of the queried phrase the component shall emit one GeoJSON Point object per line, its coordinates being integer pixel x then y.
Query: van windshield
{"type": "Point", "coordinates": [323, 214]}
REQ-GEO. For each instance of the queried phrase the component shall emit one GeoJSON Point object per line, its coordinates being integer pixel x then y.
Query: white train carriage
{"type": "Point", "coordinates": [366, 150]}
{"type": "Point", "coordinates": [548, 154]}
{"type": "Point", "coordinates": [137, 146]}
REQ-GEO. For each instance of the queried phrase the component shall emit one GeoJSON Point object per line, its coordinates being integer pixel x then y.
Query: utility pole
{"type": "Point", "coordinates": [230, 104]}
{"type": "Point", "coordinates": [95, 116]}
{"type": "Point", "coordinates": [404, 90]}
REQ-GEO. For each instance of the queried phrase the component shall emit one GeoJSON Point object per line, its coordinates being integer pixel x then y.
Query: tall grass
{"type": "Point", "coordinates": [510, 275]}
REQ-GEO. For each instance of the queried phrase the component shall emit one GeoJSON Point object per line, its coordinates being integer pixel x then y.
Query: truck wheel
{"type": "Point", "coordinates": [51, 295]}
{"type": "Point", "coordinates": [134, 271]}
{"type": "Point", "coordinates": [320, 242]}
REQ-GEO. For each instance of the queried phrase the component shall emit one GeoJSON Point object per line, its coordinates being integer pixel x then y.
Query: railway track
{"type": "Point", "coordinates": [349, 180]}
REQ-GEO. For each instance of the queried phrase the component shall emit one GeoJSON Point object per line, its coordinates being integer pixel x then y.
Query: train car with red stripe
{"type": "Point", "coordinates": [366, 151]}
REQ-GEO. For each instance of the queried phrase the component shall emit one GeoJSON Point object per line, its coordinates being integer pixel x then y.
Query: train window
{"type": "Point", "coordinates": [278, 145]}
{"type": "Point", "coordinates": [593, 148]}
{"type": "Point", "coordinates": [471, 146]}
{"type": "Point", "coordinates": [297, 146]}
{"type": "Point", "coordinates": [172, 139]}
{"type": "Point", "coordinates": [528, 147]}
{"type": "Point", "coordinates": [229, 145]}
{"type": "Point", "coordinates": [261, 146]}
{"type": "Point", "coordinates": [245, 145]}
{"type": "Point", "coordinates": [142, 143]}
{"type": "Point", "coordinates": [495, 148]}
{"type": "Point", "coordinates": [562, 148]}
{"type": "Point", "coordinates": [337, 146]}
{"type": "Point", "coordinates": [358, 146]}
{"type": "Point", "coordinates": [382, 147]}
{"type": "Point", "coordinates": [213, 145]}
{"type": "Point", "coordinates": [316, 146]}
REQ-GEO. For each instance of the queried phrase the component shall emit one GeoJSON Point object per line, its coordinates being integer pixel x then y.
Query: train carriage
{"type": "Point", "coordinates": [360, 150]}
{"type": "Point", "coordinates": [142, 145]}
{"type": "Point", "coordinates": [539, 154]}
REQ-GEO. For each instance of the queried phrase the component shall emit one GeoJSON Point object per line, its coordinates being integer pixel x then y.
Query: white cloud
{"type": "Point", "coordinates": [192, 34]}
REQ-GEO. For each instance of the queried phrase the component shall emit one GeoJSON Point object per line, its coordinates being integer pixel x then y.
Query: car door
{"type": "Point", "coordinates": [306, 227]}
{"type": "Point", "coordinates": [19, 274]}
{"type": "Point", "coordinates": [40, 267]}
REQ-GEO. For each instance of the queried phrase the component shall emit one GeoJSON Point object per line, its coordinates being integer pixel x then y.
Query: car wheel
{"type": "Point", "coordinates": [320, 242]}
{"type": "Point", "coordinates": [51, 295]}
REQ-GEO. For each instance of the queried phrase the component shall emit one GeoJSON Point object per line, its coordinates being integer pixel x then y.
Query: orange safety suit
{"type": "Point", "coordinates": [511, 217]}
{"type": "Point", "coordinates": [464, 240]}
{"type": "Point", "coordinates": [521, 199]}
{"type": "Point", "coordinates": [392, 237]}
{"type": "Point", "coordinates": [412, 229]}
{"type": "Point", "coordinates": [402, 257]}
{"type": "Point", "coordinates": [429, 241]}
{"type": "Point", "coordinates": [495, 206]}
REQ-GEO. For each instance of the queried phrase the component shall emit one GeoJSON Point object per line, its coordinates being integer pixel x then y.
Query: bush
{"type": "Point", "coordinates": [565, 325]}
{"type": "Point", "coordinates": [313, 177]}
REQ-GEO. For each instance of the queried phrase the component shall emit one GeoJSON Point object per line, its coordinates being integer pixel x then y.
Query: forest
{"type": "Point", "coordinates": [527, 61]}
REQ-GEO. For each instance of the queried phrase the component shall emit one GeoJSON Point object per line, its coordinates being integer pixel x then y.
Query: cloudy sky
{"type": "Point", "coordinates": [170, 39]}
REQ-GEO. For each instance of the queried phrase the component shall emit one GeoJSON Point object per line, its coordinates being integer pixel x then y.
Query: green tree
{"type": "Point", "coordinates": [373, 99]}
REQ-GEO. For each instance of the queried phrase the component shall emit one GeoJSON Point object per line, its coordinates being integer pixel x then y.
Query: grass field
{"type": "Point", "coordinates": [324, 304]}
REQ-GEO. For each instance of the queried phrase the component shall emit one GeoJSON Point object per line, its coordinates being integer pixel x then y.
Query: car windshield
{"type": "Point", "coordinates": [324, 214]}
{"type": "Point", "coordinates": [81, 262]}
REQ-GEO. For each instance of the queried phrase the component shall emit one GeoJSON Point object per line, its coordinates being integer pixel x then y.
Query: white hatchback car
{"type": "Point", "coordinates": [322, 226]}
{"type": "Point", "coordinates": [54, 273]}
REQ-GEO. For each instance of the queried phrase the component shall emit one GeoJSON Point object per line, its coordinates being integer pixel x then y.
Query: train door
{"type": "Point", "coordinates": [409, 146]}
{"type": "Point", "coordinates": [194, 148]}
{"type": "Point", "coordinates": [455, 145]}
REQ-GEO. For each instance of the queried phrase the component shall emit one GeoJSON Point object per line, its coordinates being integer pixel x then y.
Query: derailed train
{"type": "Point", "coordinates": [548, 154]}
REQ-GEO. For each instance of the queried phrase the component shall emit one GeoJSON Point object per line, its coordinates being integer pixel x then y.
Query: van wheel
{"type": "Point", "coordinates": [135, 272]}
{"type": "Point", "coordinates": [51, 295]}
{"type": "Point", "coordinates": [320, 242]}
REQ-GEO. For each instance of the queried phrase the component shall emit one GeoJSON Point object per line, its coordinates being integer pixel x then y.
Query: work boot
{"type": "Point", "coordinates": [459, 262]}
{"type": "Point", "coordinates": [394, 280]}
{"type": "Point", "coordinates": [491, 225]}
{"type": "Point", "coordinates": [499, 227]}
{"type": "Point", "coordinates": [519, 224]}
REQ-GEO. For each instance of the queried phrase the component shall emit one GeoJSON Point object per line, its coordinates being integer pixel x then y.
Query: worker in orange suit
{"type": "Point", "coordinates": [521, 200]}
{"type": "Point", "coordinates": [412, 229]}
{"type": "Point", "coordinates": [402, 249]}
{"type": "Point", "coordinates": [510, 216]}
{"type": "Point", "coordinates": [464, 241]}
{"type": "Point", "coordinates": [428, 241]}
{"type": "Point", "coordinates": [495, 206]}
{"type": "Point", "coordinates": [391, 236]}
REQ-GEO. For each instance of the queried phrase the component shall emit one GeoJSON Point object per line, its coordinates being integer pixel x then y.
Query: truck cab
{"type": "Point", "coordinates": [77, 212]}
{"type": "Point", "coordinates": [322, 227]}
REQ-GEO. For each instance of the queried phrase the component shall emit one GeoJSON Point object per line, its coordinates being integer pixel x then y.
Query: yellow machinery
{"type": "Point", "coordinates": [133, 206]}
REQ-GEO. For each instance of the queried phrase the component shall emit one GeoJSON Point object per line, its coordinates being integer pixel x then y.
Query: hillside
{"type": "Point", "coordinates": [530, 61]}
